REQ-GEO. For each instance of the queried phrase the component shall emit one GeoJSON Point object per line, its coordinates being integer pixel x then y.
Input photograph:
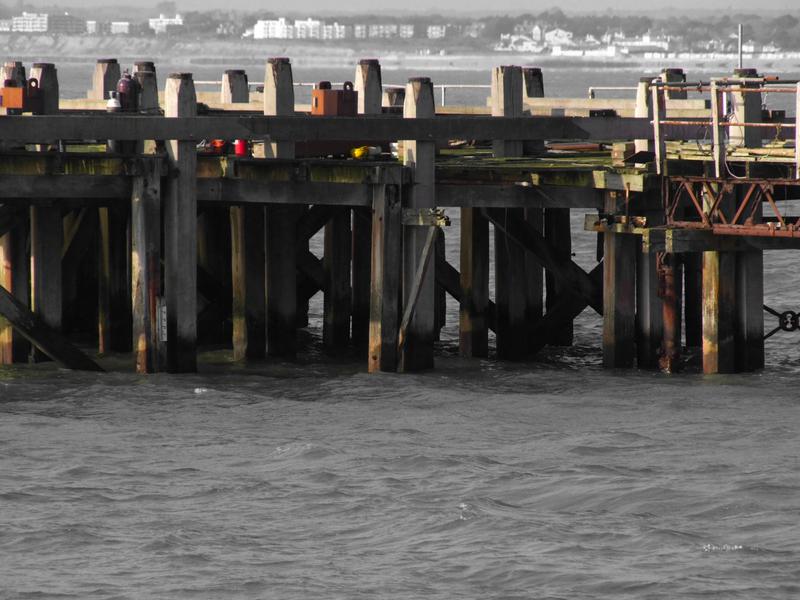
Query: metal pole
{"type": "Point", "coordinates": [740, 45]}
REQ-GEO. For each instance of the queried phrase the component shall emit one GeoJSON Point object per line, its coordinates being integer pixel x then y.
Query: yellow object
{"type": "Point", "coordinates": [363, 152]}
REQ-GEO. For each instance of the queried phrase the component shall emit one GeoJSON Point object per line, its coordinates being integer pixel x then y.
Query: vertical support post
{"type": "Point", "coordinates": [393, 97]}
{"type": "Point", "coordinates": [147, 294]}
{"type": "Point", "coordinates": [510, 282]}
{"type": "Point", "coordinates": [719, 307]}
{"type": "Point", "coordinates": [532, 87]}
{"type": "Point", "coordinates": [643, 109]}
{"type": "Point", "coordinates": [282, 299]}
{"type": "Point", "coordinates": [47, 76]}
{"type": "Point", "coordinates": [717, 131]}
{"type": "Point", "coordinates": [387, 244]}
{"type": "Point", "coordinates": [369, 86]}
{"type": "Point", "coordinates": [47, 239]}
{"type": "Point", "coordinates": [534, 279]}
{"type": "Point", "coordinates": [370, 91]}
{"type": "Point", "coordinates": [248, 274]}
{"type": "Point", "coordinates": [420, 157]}
{"type": "Point", "coordinates": [719, 272]}
{"type": "Point", "coordinates": [234, 87]}
{"type": "Point", "coordinates": [746, 108]}
{"type": "Point", "coordinates": [180, 231]}
{"type": "Point", "coordinates": [337, 297]}
{"type": "Point", "coordinates": [558, 233]}
{"type": "Point", "coordinates": [440, 294]}
{"type": "Point", "coordinates": [797, 134]}
{"type": "Point", "coordinates": [670, 274]}
{"type": "Point", "coordinates": [279, 101]}
{"type": "Point", "coordinates": [473, 322]}
{"type": "Point", "coordinates": [692, 263]}
{"type": "Point", "coordinates": [619, 294]}
{"type": "Point", "coordinates": [15, 277]}
{"type": "Point", "coordinates": [649, 308]}
{"type": "Point", "coordinates": [671, 75]}
{"type": "Point", "coordinates": [105, 78]}
{"type": "Point", "coordinates": [658, 103]}
{"type": "Point", "coordinates": [114, 301]}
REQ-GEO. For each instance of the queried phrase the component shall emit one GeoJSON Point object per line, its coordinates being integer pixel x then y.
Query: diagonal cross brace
{"type": "Point", "coordinates": [49, 341]}
{"type": "Point", "coordinates": [568, 273]}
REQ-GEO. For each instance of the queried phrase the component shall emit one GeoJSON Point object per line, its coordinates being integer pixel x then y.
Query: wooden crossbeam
{"type": "Point", "coordinates": [450, 279]}
{"type": "Point", "coordinates": [46, 339]}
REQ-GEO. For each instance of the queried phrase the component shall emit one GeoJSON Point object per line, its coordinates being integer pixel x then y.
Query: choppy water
{"type": "Point", "coordinates": [547, 479]}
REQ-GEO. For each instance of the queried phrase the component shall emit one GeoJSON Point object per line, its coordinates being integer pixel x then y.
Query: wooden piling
{"type": "Point", "coordinates": [114, 279]}
{"type": "Point", "coordinates": [619, 293]}
{"type": "Point", "coordinates": [534, 282]}
{"type": "Point", "coordinates": [558, 233]}
{"type": "Point", "coordinates": [367, 83]}
{"type": "Point", "coordinates": [337, 298]}
{"type": "Point", "coordinates": [719, 306]}
{"type": "Point", "coordinates": [510, 274]}
{"type": "Point", "coordinates": [106, 76]}
{"type": "Point", "coordinates": [248, 271]}
{"type": "Point", "coordinates": [149, 310]}
{"type": "Point", "coordinates": [386, 278]}
{"type": "Point", "coordinates": [669, 267]}
{"type": "Point", "coordinates": [278, 101]}
{"type": "Point", "coordinates": [47, 76]}
{"type": "Point", "coordinates": [532, 87]}
{"type": "Point", "coordinates": [234, 88]}
{"type": "Point", "coordinates": [473, 317]}
{"type": "Point", "coordinates": [180, 231]}
{"type": "Point", "coordinates": [420, 156]}
{"type": "Point", "coordinates": [47, 239]}
{"type": "Point", "coordinates": [649, 308]}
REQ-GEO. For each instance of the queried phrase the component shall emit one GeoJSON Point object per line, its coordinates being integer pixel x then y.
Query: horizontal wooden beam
{"type": "Point", "coordinates": [303, 128]}
{"type": "Point", "coordinates": [516, 196]}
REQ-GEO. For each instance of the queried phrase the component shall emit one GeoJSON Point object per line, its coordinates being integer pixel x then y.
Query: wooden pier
{"type": "Point", "coordinates": [132, 228]}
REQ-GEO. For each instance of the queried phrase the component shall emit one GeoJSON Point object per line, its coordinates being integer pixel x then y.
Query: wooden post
{"type": "Point", "coordinates": [278, 101]}
{"type": "Point", "coordinates": [670, 274]}
{"type": "Point", "coordinates": [532, 87]}
{"type": "Point", "coordinates": [149, 327]}
{"type": "Point", "coordinates": [717, 131]}
{"type": "Point", "coordinates": [248, 268]}
{"type": "Point", "coordinates": [105, 78]}
{"type": "Point", "coordinates": [420, 157]}
{"type": "Point", "coordinates": [148, 92]}
{"type": "Point", "coordinates": [692, 263]}
{"type": "Point", "coordinates": [47, 76]}
{"type": "Point", "coordinates": [180, 231]}
{"type": "Point", "coordinates": [281, 251]}
{"type": "Point", "coordinates": [510, 276]}
{"type": "Point", "coordinates": [643, 109]}
{"type": "Point", "coordinates": [144, 66]}
{"type": "Point", "coordinates": [114, 278]}
{"type": "Point", "coordinates": [649, 306]}
{"type": "Point", "coordinates": [534, 279]}
{"type": "Point", "coordinates": [47, 239]}
{"type": "Point", "coordinates": [234, 87]}
{"type": "Point", "coordinates": [749, 318]}
{"type": "Point", "coordinates": [368, 85]}
{"type": "Point", "coordinates": [746, 108]}
{"type": "Point", "coordinates": [14, 277]}
{"type": "Point", "coordinates": [14, 70]}
{"type": "Point", "coordinates": [558, 233]}
{"type": "Point", "coordinates": [473, 321]}
{"type": "Point", "coordinates": [337, 301]}
{"type": "Point", "coordinates": [387, 239]}
{"type": "Point", "coordinates": [674, 76]}
{"type": "Point", "coordinates": [719, 307]}
{"type": "Point", "coordinates": [393, 97]}
{"type": "Point", "coordinates": [619, 294]}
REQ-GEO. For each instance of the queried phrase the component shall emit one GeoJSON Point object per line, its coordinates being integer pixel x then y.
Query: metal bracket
{"type": "Point", "coordinates": [425, 217]}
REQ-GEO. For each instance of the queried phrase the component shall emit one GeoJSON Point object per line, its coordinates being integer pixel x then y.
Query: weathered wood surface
{"type": "Point", "coordinates": [146, 272]}
{"type": "Point", "coordinates": [387, 244]}
{"type": "Point", "coordinates": [303, 128]}
{"type": "Point", "coordinates": [44, 337]}
{"type": "Point", "coordinates": [473, 284]}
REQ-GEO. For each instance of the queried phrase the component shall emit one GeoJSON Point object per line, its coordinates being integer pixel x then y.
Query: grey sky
{"type": "Point", "coordinates": [481, 6]}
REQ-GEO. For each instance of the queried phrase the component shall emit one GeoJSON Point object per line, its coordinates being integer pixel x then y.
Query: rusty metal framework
{"type": "Point", "coordinates": [729, 206]}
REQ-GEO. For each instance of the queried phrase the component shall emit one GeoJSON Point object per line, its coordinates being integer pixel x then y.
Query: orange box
{"type": "Point", "coordinates": [12, 97]}
{"type": "Point", "coordinates": [334, 103]}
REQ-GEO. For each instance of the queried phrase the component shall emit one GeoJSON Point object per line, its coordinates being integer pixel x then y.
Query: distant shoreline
{"type": "Point", "coordinates": [232, 53]}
